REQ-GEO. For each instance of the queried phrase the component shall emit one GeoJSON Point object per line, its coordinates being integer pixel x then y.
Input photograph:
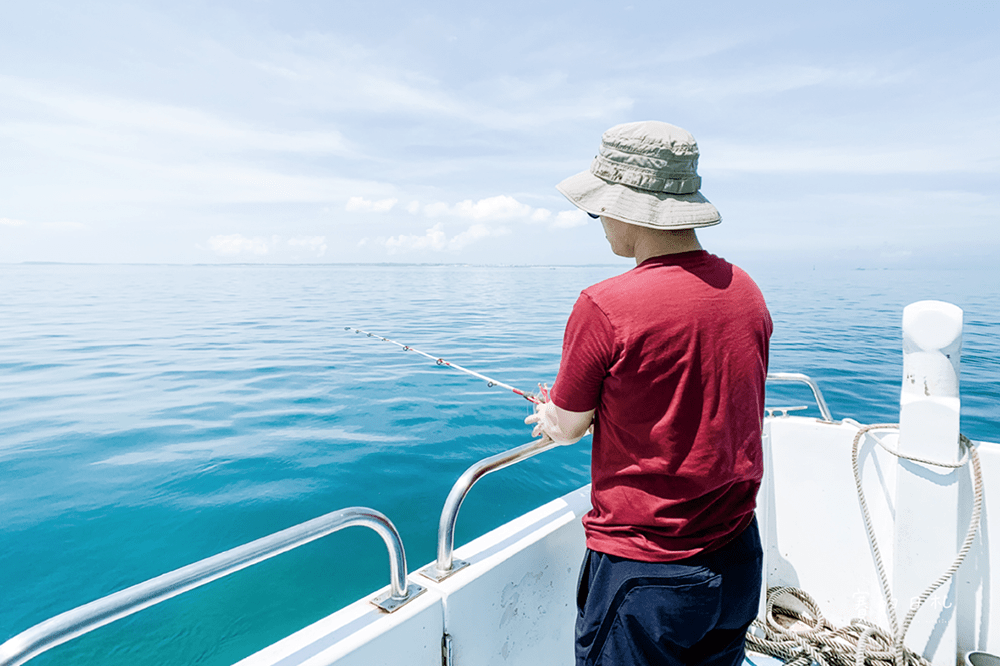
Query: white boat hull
{"type": "Point", "coordinates": [515, 603]}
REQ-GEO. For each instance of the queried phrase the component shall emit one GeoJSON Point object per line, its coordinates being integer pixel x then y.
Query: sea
{"type": "Point", "coordinates": [154, 415]}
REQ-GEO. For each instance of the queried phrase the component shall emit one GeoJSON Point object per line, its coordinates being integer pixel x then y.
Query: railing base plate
{"type": "Point", "coordinates": [431, 571]}
{"type": "Point", "coordinates": [386, 602]}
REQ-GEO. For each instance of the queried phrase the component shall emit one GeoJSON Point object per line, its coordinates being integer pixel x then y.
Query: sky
{"type": "Point", "coordinates": [858, 134]}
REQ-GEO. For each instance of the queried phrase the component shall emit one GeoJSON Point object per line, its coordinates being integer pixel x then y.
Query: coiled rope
{"type": "Point", "coordinates": [794, 630]}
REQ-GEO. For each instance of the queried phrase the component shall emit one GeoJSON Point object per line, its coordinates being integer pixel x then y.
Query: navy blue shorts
{"type": "Point", "coordinates": [692, 611]}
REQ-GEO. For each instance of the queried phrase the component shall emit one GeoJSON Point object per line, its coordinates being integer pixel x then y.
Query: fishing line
{"type": "Point", "coordinates": [531, 397]}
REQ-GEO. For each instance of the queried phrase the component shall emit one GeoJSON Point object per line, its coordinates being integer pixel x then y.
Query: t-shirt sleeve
{"type": "Point", "coordinates": [587, 356]}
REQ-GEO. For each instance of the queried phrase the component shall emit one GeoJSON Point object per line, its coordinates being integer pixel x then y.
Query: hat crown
{"type": "Point", "coordinates": [653, 138]}
{"type": "Point", "coordinates": [649, 155]}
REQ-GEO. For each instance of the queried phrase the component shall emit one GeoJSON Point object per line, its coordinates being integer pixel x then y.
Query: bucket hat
{"type": "Point", "coordinates": [646, 173]}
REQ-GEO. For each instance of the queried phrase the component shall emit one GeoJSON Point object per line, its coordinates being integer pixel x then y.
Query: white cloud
{"type": "Point", "coordinates": [474, 233]}
{"type": "Point", "coordinates": [501, 207]}
{"type": "Point", "coordinates": [568, 219]}
{"type": "Point", "coordinates": [437, 208]}
{"type": "Point", "coordinates": [494, 208]}
{"type": "Point", "coordinates": [362, 204]}
{"type": "Point", "coordinates": [435, 239]}
{"type": "Point", "coordinates": [113, 149]}
{"type": "Point", "coordinates": [365, 82]}
{"type": "Point", "coordinates": [483, 213]}
{"type": "Point", "coordinates": [315, 244]}
{"type": "Point", "coordinates": [127, 123]}
{"type": "Point", "coordinates": [7, 222]}
{"type": "Point", "coordinates": [234, 244]}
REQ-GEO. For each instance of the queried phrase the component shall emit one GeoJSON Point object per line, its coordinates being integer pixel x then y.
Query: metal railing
{"type": "Point", "coordinates": [446, 564]}
{"type": "Point", "coordinates": [798, 377]}
{"type": "Point", "coordinates": [84, 619]}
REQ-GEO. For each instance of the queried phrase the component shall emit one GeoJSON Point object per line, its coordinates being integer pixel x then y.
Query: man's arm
{"type": "Point", "coordinates": [559, 425]}
{"type": "Point", "coordinates": [588, 352]}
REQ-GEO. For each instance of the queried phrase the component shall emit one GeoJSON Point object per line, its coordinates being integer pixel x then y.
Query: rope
{"type": "Point", "coordinates": [801, 636]}
{"type": "Point", "coordinates": [798, 634]}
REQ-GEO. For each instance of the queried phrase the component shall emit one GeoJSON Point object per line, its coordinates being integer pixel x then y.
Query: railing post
{"type": "Point", "coordinates": [446, 565]}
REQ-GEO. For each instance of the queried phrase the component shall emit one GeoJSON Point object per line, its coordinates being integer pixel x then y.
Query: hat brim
{"type": "Point", "coordinates": [657, 210]}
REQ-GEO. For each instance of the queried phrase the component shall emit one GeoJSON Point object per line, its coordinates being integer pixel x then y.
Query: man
{"type": "Point", "coordinates": [667, 363]}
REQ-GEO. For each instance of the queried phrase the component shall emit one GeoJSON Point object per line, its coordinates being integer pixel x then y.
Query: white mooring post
{"type": "Point", "coordinates": [926, 526]}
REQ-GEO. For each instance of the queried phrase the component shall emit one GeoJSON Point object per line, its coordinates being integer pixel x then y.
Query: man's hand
{"type": "Point", "coordinates": [559, 425]}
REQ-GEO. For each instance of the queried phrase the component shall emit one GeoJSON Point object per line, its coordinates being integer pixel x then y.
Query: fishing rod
{"type": "Point", "coordinates": [531, 397]}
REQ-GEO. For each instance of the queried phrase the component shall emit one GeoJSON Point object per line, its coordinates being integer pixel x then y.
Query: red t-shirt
{"type": "Point", "coordinates": [673, 356]}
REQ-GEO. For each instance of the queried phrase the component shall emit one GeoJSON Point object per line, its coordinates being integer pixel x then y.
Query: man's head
{"type": "Point", "coordinates": [645, 174]}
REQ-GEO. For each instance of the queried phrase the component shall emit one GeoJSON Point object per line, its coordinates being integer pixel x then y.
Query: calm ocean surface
{"type": "Point", "coordinates": [151, 416]}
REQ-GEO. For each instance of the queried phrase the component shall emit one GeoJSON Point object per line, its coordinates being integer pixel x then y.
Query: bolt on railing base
{"type": "Point", "coordinates": [389, 603]}
{"type": "Point", "coordinates": [431, 571]}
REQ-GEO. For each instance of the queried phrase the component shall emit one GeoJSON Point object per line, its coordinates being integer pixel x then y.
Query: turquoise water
{"type": "Point", "coordinates": [151, 416]}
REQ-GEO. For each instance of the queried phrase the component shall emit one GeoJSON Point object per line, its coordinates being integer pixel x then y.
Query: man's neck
{"type": "Point", "coordinates": [651, 243]}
